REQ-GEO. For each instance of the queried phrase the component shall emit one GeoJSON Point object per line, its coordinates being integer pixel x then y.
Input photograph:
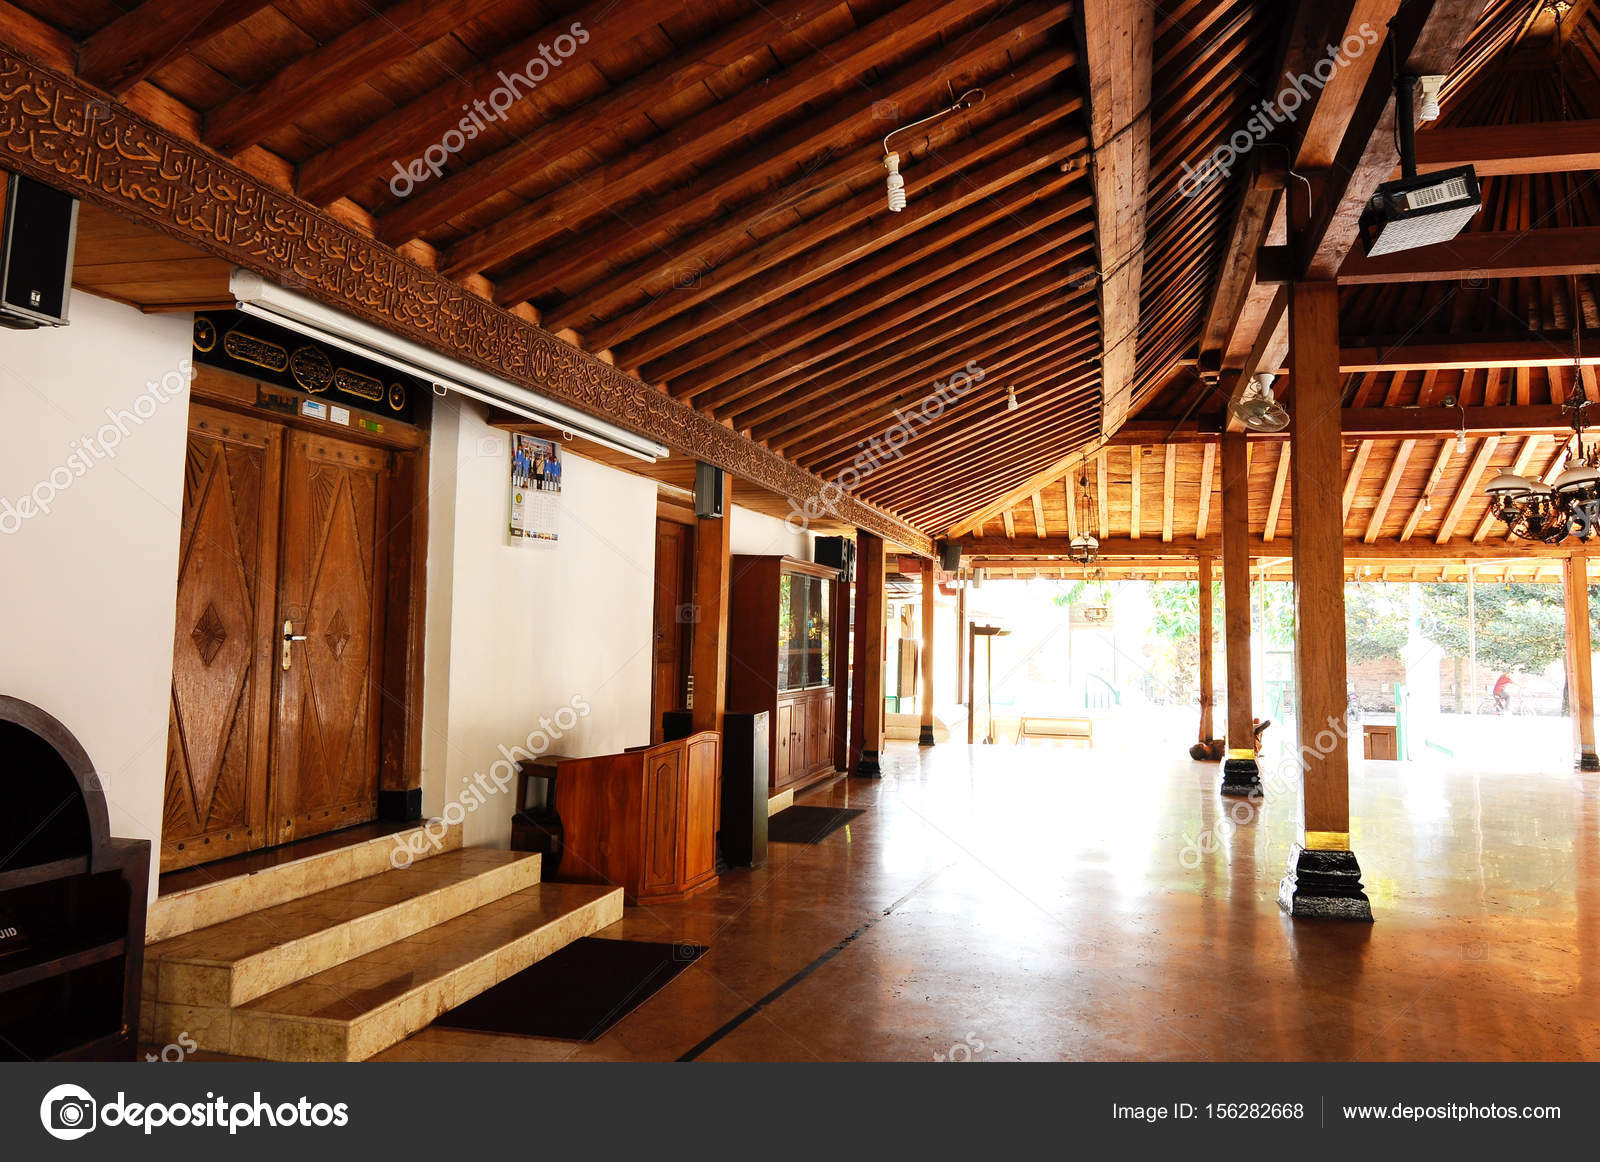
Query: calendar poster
{"type": "Point", "coordinates": [535, 491]}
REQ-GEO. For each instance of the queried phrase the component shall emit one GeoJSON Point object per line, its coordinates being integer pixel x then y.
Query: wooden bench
{"type": "Point", "coordinates": [1057, 729]}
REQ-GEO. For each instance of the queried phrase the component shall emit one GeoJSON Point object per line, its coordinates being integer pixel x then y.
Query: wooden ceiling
{"type": "Point", "coordinates": [694, 190]}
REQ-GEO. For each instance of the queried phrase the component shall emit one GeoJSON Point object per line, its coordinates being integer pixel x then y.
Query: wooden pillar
{"type": "Point", "coordinates": [1324, 878]}
{"type": "Point", "coordinates": [841, 673]}
{"type": "Point", "coordinates": [1240, 773]}
{"type": "Point", "coordinates": [868, 678]}
{"type": "Point", "coordinates": [972, 684]}
{"type": "Point", "coordinates": [1208, 683]}
{"type": "Point", "coordinates": [1580, 675]}
{"type": "Point", "coordinates": [961, 643]}
{"type": "Point", "coordinates": [930, 591]}
{"type": "Point", "coordinates": [709, 655]}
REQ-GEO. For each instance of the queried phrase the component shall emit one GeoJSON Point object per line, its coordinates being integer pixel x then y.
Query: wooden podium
{"type": "Point", "coordinates": [646, 819]}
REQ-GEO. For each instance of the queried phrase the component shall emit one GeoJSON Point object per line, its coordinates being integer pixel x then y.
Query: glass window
{"type": "Point", "coordinates": [791, 632]}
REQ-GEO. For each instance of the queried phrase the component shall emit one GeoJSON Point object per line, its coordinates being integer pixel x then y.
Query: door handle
{"type": "Point", "coordinates": [289, 638]}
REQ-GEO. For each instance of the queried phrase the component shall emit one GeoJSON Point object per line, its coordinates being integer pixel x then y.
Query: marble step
{"type": "Point", "coordinates": [360, 1007]}
{"type": "Point", "coordinates": [191, 980]}
{"type": "Point", "coordinates": [207, 904]}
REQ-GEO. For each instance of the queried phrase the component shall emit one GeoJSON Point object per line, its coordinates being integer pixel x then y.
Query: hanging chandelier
{"type": "Point", "coordinates": [1083, 548]}
{"type": "Point", "coordinates": [1570, 504]}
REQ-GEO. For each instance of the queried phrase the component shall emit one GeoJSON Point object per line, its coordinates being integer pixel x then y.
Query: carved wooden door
{"type": "Point", "coordinates": [221, 701]}
{"type": "Point", "coordinates": [330, 618]}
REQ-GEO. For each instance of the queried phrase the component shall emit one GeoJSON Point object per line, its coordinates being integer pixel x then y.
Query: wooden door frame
{"type": "Point", "coordinates": [405, 580]}
{"type": "Point", "coordinates": [670, 508]}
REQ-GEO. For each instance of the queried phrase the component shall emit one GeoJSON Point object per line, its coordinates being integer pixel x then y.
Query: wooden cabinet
{"type": "Point", "coordinates": [646, 819]}
{"type": "Point", "coordinates": [781, 660]}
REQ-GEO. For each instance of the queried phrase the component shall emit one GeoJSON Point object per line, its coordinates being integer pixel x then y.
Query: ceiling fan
{"type": "Point", "coordinates": [1257, 408]}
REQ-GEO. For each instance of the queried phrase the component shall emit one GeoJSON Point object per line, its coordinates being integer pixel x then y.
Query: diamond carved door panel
{"type": "Point", "coordinates": [221, 701]}
{"type": "Point", "coordinates": [325, 760]}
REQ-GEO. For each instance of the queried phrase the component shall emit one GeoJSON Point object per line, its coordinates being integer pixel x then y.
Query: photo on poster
{"type": "Point", "coordinates": [535, 491]}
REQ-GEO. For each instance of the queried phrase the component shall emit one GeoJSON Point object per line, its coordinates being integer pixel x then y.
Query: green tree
{"type": "Point", "coordinates": [1518, 624]}
{"type": "Point", "coordinates": [1377, 617]}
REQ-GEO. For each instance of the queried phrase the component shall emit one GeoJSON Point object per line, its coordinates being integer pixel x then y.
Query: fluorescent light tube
{"type": "Point", "coordinates": [256, 296]}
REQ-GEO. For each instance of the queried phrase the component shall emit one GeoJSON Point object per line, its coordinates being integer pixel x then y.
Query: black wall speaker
{"type": "Point", "coordinates": [836, 553]}
{"type": "Point", "coordinates": [707, 490]}
{"type": "Point", "coordinates": [38, 225]}
{"type": "Point", "coordinates": [949, 556]}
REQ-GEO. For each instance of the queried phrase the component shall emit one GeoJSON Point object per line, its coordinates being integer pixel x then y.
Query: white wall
{"type": "Point", "coordinates": [757, 534]}
{"type": "Point", "coordinates": [90, 587]}
{"type": "Point", "coordinates": [517, 633]}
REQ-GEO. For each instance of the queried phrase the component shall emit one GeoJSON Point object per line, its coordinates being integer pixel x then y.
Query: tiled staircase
{"type": "Point", "coordinates": [338, 956]}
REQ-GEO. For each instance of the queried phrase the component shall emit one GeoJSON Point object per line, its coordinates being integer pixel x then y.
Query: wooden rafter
{"type": "Point", "coordinates": [1467, 490]}
{"type": "Point", "coordinates": [1425, 502]}
{"type": "Point", "coordinates": [1391, 483]}
{"type": "Point", "coordinates": [1208, 477]}
{"type": "Point", "coordinates": [1104, 508]}
{"type": "Point", "coordinates": [1280, 479]}
{"type": "Point", "coordinates": [1135, 501]}
{"type": "Point", "coordinates": [154, 32]}
{"type": "Point", "coordinates": [1168, 494]}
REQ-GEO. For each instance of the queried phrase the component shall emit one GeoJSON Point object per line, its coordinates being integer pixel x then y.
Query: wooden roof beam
{"type": "Point", "coordinates": [144, 38]}
{"type": "Point", "coordinates": [1467, 354]}
{"type": "Point", "coordinates": [1036, 551]}
{"type": "Point", "coordinates": [1478, 254]}
{"type": "Point", "coordinates": [1500, 150]}
{"type": "Point", "coordinates": [1119, 46]}
{"type": "Point", "coordinates": [1376, 423]}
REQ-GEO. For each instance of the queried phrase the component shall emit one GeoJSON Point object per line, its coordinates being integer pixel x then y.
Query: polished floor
{"type": "Point", "coordinates": [1042, 903]}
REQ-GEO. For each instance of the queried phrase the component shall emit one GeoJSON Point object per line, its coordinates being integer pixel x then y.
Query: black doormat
{"type": "Point", "coordinates": [575, 994]}
{"type": "Point", "coordinates": [808, 824]}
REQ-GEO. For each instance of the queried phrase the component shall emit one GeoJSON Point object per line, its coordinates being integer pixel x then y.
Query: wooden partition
{"type": "Point", "coordinates": [646, 818]}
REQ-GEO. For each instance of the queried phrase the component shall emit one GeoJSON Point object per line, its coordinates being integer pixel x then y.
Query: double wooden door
{"type": "Point", "coordinates": [274, 714]}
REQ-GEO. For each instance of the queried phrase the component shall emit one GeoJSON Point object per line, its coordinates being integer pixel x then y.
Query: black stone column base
{"type": "Point", "coordinates": [1241, 777]}
{"type": "Point", "coordinates": [400, 806]}
{"type": "Point", "coordinates": [1324, 885]}
{"type": "Point", "coordinates": [1586, 762]}
{"type": "Point", "coordinates": [867, 766]}
{"type": "Point", "coordinates": [925, 737]}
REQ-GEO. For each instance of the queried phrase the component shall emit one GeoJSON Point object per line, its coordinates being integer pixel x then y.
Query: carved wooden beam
{"type": "Point", "coordinates": [56, 130]}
